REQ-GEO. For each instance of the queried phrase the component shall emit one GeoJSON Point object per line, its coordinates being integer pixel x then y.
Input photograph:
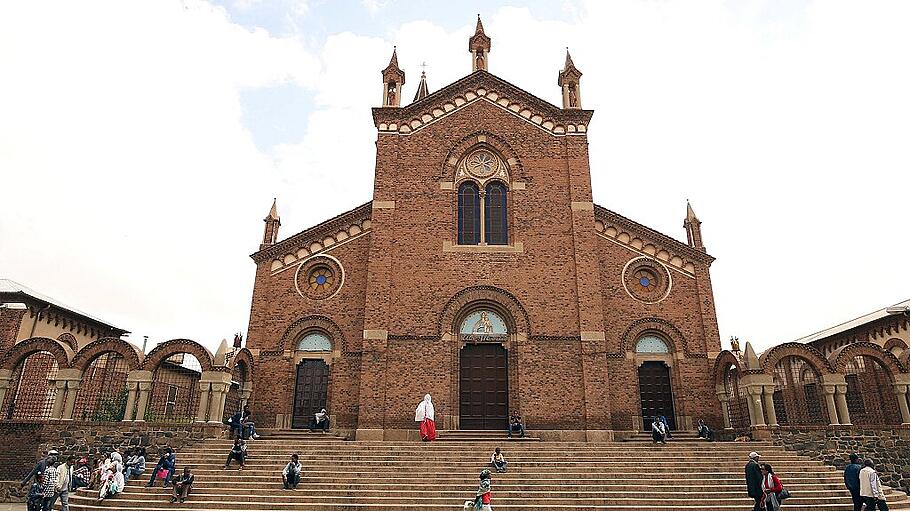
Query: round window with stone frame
{"type": "Point", "coordinates": [647, 280]}
{"type": "Point", "coordinates": [319, 278]}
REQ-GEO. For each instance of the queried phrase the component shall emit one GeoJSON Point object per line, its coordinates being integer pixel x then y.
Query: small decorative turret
{"type": "Point", "coordinates": [570, 82]}
{"type": "Point", "coordinates": [392, 79]}
{"type": "Point", "coordinates": [693, 228]}
{"type": "Point", "coordinates": [422, 89]}
{"type": "Point", "coordinates": [479, 46]}
{"type": "Point", "coordinates": [272, 223]}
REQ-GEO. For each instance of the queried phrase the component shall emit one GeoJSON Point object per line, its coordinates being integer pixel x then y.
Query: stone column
{"type": "Point", "coordinates": [57, 410]}
{"type": "Point", "coordinates": [901, 391]}
{"type": "Point", "coordinates": [5, 376]}
{"type": "Point", "coordinates": [842, 411]}
{"type": "Point", "coordinates": [245, 392]}
{"type": "Point", "coordinates": [769, 404]}
{"type": "Point", "coordinates": [143, 400]}
{"type": "Point", "coordinates": [830, 404]}
{"type": "Point", "coordinates": [70, 403]}
{"type": "Point", "coordinates": [219, 392]}
{"type": "Point", "coordinates": [756, 413]}
{"type": "Point", "coordinates": [139, 383]}
{"type": "Point", "coordinates": [130, 401]}
{"type": "Point", "coordinates": [724, 399]}
{"type": "Point", "coordinates": [204, 397]}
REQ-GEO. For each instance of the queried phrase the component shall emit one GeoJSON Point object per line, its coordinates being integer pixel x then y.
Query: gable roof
{"type": "Point", "coordinates": [12, 287]}
{"type": "Point", "coordinates": [666, 242]}
{"type": "Point", "coordinates": [317, 233]}
{"type": "Point", "coordinates": [478, 86]}
{"type": "Point", "coordinates": [853, 323]}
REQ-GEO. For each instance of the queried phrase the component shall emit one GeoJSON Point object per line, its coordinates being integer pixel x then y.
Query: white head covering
{"type": "Point", "coordinates": [425, 410]}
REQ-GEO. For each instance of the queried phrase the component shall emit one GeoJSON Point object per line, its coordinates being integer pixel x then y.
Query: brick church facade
{"type": "Point", "coordinates": [483, 273]}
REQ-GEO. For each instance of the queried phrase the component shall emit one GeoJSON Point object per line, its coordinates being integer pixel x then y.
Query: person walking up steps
{"type": "Point", "coordinates": [771, 488]}
{"type": "Point", "coordinates": [871, 488]}
{"type": "Point", "coordinates": [851, 481]}
{"type": "Point", "coordinates": [754, 480]}
{"type": "Point", "coordinates": [426, 416]}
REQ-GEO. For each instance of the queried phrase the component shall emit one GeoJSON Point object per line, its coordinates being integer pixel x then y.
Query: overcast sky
{"type": "Point", "coordinates": [141, 143]}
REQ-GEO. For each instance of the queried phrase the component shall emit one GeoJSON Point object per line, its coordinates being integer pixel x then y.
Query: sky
{"type": "Point", "coordinates": [142, 142]}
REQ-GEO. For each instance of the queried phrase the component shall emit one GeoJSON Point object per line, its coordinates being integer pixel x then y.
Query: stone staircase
{"type": "Point", "coordinates": [346, 476]}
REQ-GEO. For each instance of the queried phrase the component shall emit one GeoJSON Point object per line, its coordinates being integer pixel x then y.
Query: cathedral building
{"type": "Point", "coordinates": [483, 273]}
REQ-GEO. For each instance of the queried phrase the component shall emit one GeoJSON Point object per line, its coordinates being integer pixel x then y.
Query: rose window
{"type": "Point", "coordinates": [319, 278]}
{"type": "Point", "coordinates": [646, 280]}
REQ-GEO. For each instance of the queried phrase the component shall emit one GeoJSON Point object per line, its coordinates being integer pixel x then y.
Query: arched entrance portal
{"type": "Point", "coordinates": [484, 376]}
{"type": "Point", "coordinates": [654, 384]}
{"type": "Point", "coordinates": [312, 388]}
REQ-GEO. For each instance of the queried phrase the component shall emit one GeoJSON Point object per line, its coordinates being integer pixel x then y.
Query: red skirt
{"type": "Point", "coordinates": [428, 430]}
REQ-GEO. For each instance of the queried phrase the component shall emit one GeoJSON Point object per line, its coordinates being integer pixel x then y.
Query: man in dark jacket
{"type": "Point", "coordinates": [41, 466]}
{"type": "Point", "coordinates": [753, 480]}
{"type": "Point", "coordinates": [851, 479]}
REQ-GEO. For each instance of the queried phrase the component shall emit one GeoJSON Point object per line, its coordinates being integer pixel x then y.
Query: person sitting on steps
{"type": "Point", "coordinates": [515, 426]}
{"type": "Point", "coordinates": [183, 485]}
{"type": "Point", "coordinates": [238, 452]}
{"type": "Point", "coordinates": [498, 460]}
{"type": "Point", "coordinates": [320, 421]}
{"type": "Point", "coordinates": [248, 424]}
{"type": "Point", "coordinates": [704, 431]}
{"type": "Point", "coordinates": [166, 461]}
{"type": "Point", "coordinates": [658, 431]}
{"type": "Point", "coordinates": [290, 476]}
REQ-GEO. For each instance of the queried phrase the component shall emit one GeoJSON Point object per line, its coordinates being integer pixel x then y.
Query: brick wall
{"type": "Point", "coordinates": [10, 320]}
{"type": "Point", "coordinates": [888, 447]}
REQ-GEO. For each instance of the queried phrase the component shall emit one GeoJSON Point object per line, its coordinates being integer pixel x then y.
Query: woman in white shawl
{"type": "Point", "coordinates": [426, 416]}
{"type": "Point", "coordinates": [111, 476]}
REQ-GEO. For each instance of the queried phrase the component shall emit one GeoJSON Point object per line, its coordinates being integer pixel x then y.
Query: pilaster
{"type": "Point", "coordinates": [769, 405]}
{"type": "Point", "coordinates": [5, 376]}
{"type": "Point", "coordinates": [142, 382]}
{"type": "Point", "coordinates": [724, 399]}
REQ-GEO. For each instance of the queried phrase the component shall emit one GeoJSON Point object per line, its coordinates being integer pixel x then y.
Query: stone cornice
{"type": "Point", "coordinates": [482, 86]}
{"type": "Point", "coordinates": [342, 226]}
{"type": "Point", "coordinates": [625, 231]}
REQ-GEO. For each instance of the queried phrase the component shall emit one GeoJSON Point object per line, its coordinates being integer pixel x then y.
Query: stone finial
{"type": "Point", "coordinates": [570, 82]}
{"type": "Point", "coordinates": [479, 45]}
{"type": "Point", "coordinates": [693, 228]}
{"type": "Point", "coordinates": [392, 79]}
{"type": "Point", "coordinates": [750, 359]}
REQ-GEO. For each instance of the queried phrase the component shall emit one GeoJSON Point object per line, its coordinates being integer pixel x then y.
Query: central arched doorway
{"type": "Point", "coordinates": [484, 373]}
{"type": "Point", "coordinates": [654, 383]}
{"type": "Point", "coordinates": [311, 391]}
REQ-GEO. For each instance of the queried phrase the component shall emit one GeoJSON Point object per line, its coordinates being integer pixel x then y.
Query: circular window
{"type": "Point", "coordinates": [319, 278]}
{"type": "Point", "coordinates": [646, 279]}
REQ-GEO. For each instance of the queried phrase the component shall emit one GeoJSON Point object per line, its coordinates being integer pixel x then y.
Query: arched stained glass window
{"type": "Point", "coordinates": [468, 214]}
{"type": "Point", "coordinates": [314, 341]}
{"type": "Point", "coordinates": [651, 344]}
{"type": "Point", "coordinates": [496, 219]}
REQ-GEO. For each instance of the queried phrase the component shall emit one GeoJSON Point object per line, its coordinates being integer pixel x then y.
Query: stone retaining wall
{"type": "Point", "coordinates": [888, 447]}
{"type": "Point", "coordinates": [24, 443]}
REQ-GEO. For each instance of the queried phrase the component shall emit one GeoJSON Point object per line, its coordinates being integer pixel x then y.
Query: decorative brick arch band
{"type": "Point", "coordinates": [469, 299]}
{"type": "Point", "coordinates": [175, 346]}
{"type": "Point", "coordinates": [68, 339]}
{"type": "Point", "coordinates": [663, 328]}
{"type": "Point", "coordinates": [246, 357]}
{"type": "Point", "coordinates": [724, 361]}
{"type": "Point", "coordinates": [314, 322]}
{"type": "Point", "coordinates": [769, 359]}
{"type": "Point", "coordinates": [480, 139]}
{"type": "Point", "coordinates": [62, 353]}
{"type": "Point", "coordinates": [841, 357]}
{"type": "Point", "coordinates": [896, 342]}
{"type": "Point", "coordinates": [94, 349]}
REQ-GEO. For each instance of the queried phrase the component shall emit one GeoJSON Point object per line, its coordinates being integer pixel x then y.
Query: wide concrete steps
{"type": "Point", "coordinates": [686, 474]}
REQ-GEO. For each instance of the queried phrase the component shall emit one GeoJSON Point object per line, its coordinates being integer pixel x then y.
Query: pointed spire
{"type": "Point", "coordinates": [479, 46]}
{"type": "Point", "coordinates": [221, 354]}
{"type": "Point", "coordinates": [272, 223]}
{"type": "Point", "coordinates": [693, 228]}
{"type": "Point", "coordinates": [750, 358]}
{"type": "Point", "coordinates": [422, 89]}
{"type": "Point", "coordinates": [479, 29]}
{"type": "Point", "coordinates": [392, 79]}
{"type": "Point", "coordinates": [570, 82]}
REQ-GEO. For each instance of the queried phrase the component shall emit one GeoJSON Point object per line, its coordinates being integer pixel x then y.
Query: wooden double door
{"type": "Point", "coordinates": [656, 393]}
{"type": "Point", "coordinates": [484, 387]}
{"type": "Point", "coordinates": [311, 391]}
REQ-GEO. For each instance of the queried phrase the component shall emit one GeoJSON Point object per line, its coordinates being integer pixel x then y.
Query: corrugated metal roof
{"type": "Point", "coordinates": [853, 323]}
{"type": "Point", "coordinates": [11, 286]}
